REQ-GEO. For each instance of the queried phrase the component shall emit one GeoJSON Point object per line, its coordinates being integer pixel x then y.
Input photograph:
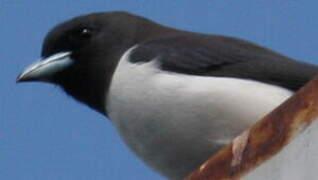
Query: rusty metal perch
{"type": "Point", "coordinates": [269, 149]}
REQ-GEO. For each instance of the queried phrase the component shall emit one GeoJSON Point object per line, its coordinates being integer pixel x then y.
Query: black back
{"type": "Point", "coordinates": [212, 55]}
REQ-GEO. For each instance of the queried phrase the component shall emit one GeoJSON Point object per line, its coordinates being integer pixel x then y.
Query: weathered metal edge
{"type": "Point", "coordinates": [264, 139]}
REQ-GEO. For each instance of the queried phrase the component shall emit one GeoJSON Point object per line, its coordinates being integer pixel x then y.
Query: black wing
{"type": "Point", "coordinates": [209, 55]}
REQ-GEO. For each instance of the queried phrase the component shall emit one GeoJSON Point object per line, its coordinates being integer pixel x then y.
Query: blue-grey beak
{"type": "Point", "coordinates": [44, 69]}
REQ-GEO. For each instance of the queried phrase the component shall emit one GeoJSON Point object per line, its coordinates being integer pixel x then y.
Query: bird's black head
{"type": "Point", "coordinates": [81, 54]}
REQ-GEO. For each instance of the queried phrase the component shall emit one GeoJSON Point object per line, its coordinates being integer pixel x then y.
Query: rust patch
{"type": "Point", "coordinates": [238, 147]}
{"type": "Point", "coordinates": [265, 139]}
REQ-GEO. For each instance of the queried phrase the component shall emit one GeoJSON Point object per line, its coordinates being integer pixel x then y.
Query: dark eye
{"type": "Point", "coordinates": [80, 34]}
{"type": "Point", "coordinates": [85, 33]}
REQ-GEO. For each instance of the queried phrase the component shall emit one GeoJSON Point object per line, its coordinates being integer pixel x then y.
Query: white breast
{"type": "Point", "coordinates": [176, 121]}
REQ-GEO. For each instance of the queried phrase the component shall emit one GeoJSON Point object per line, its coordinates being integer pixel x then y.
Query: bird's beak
{"type": "Point", "coordinates": [44, 69]}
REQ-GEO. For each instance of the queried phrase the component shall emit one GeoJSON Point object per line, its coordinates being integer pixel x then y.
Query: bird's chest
{"type": "Point", "coordinates": [169, 118]}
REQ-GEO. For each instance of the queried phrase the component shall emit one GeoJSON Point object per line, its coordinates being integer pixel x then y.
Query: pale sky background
{"type": "Point", "coordinates": [45, 135]}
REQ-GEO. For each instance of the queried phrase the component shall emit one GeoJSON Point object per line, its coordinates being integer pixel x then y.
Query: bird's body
{"type": "Point", "coordinates": [176, 97]}
{"type": "Point", "coordinates": [176, 121]}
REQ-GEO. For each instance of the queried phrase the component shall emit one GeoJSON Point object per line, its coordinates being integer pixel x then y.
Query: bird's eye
{"type": "Point", "coordinates": [80, 34]}
{"type": "Point", "coordinates": [85, 32]}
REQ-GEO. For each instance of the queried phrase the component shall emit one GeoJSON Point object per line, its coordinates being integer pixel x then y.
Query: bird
{"type": "Point", "coordinates": [175, 96]}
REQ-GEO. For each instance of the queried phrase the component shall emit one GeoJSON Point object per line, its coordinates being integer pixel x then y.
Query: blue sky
{"type": "Point", "coordinates": [46, 135]}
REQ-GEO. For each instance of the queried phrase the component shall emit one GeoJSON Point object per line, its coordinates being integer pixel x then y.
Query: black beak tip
{"type": "Point", "coordinates": [21, 78]}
